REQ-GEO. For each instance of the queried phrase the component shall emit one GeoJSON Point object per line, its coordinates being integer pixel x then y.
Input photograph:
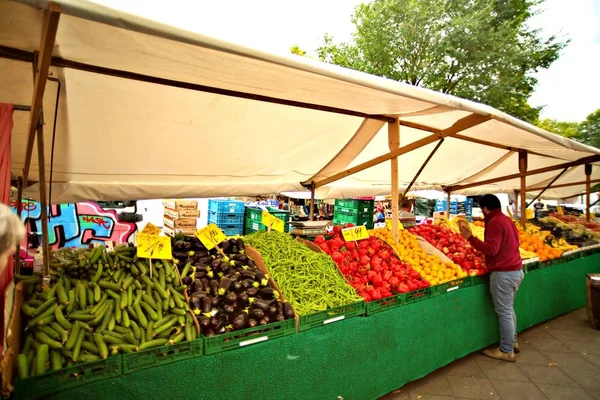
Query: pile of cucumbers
{"type": "Point", "coordinates": [97, 304]}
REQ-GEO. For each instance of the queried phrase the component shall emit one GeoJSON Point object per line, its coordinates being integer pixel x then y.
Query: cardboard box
{"type": "Point", "coordinates": [176, 231]}
{"type": "Point", "coordinates": [180, 222]}
{"type": "Point", "coordinates": [182, 213]}
{"type": "Point", "coordinates": [179, 204]}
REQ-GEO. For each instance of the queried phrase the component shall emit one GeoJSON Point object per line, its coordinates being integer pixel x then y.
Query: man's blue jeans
{"type": "Point", "coordinates": [504, 286]}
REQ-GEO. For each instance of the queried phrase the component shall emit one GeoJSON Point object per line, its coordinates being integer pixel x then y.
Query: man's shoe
{"type": "Point", "coordinates": [498, 354]}
{"type": "Point", "coordinates": [516, 348]}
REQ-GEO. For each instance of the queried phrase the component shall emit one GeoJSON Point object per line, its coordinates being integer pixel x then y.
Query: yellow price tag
{"type": "Point", "coordinates": [560, 210]}
{"type": "Point", "coordinates": [151, 229]}
{"type": "Point", "coordinates": [388, 224]}
{"type": "Point", "coordinates": [210, 236]}
{"type": "Point", "coordinates": [355, 233]}
{"type": "Point", "coordinates": [529, 213]}
{"type": "Point", "coordinates": [157, 247]}
{"type": "Point", "coordinates": [269, 220]}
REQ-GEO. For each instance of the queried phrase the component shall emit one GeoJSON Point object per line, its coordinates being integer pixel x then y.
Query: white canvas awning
{"type": "Point", "coordinates": [148, 111]}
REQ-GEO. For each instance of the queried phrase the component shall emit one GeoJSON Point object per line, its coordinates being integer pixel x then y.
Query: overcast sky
{"type": "Point", "coordinates": [569, 90]}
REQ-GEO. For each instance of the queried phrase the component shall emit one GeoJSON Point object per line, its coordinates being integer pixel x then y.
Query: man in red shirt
{"type": "Point", "coordinates": [501, 251]}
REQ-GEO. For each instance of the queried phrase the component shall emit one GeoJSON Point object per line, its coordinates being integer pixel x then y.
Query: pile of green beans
{"type": "Point", "coordinates": [310, 281]}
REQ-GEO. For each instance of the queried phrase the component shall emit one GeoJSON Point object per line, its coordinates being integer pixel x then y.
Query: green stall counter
{"type": "Point", "coordinates": [358, 358]}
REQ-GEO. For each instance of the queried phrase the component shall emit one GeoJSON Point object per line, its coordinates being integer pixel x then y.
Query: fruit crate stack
{"type": "Point", "coordinates": [228, 215]}
{"type": "Point", "coordinates": [456, 207]}
{"type": "Point", "coordinates": [180, 216]}
{"type": "Point", "coordinates": [354, 211]}
{"type": "Point", "coordinates": [253, 218]}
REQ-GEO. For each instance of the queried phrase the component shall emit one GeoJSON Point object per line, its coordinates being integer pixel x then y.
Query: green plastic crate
{"type": "Point", "coordinates": [345, 219]}
{"type": "Point", "coordinates": [354, 203]}
{"type": "Point", "coordinates": [450, 286]}
{"type": "Point", "coordinates": [253, 219]}
{"type": "Point", "coordinates": [66, 378]}
{"type": "Point", "coordinates": [251, 226]}
{"type": "Point", "coordinates": [416, 295]}
{"type": "Point", "coordinates": [246, 337]}
{"type": "Point", "coordinates": [479, 279]}
{"type": "Point", "coordinates": [330, 315]}
{"type": "Point", "coordinates": [136, 361]}
{"type": "Point", "coordinates": [375, 306]}
{"type": "Point", "coordinates": [531, 267]}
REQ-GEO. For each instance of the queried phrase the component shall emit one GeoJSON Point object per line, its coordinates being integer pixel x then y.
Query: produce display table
{"type": "Point", "coordinates": [358, 358]}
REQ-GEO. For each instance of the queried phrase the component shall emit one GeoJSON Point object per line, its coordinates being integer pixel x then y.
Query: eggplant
{"type": "Point", "coordinates": [187, 280]}
{"type": "Point", "coordinates": [200, 274]}
{"type": "Point", "coordinates": [240, 321]}
{"type": "Point", "coordinates": [204, 321]}
{"type": "Point", "coordinates": [209, 332]}
{"type": "Point", "coordinates": [197, 285]}
{"type": "Point", "coordinates": [252, 291]}
{"type": "Point", "coordinates": [206, 305]}
{"type": "Point", "coordinates": [225, 245]}
{"type": "Point", "coordinates": [240, 257]}
{"type": "Point", "coordinates": [198, 294]}
{"type": "Point", "coordinates": [256, 313]}
{"type": "Point", "coordinates": [214, 321]}
{"type": "Point", "coordinates": [262, 304]}
{"type": "Point", "coordinates": [240, 244]}
{"type": "Point", "coordinates": [201, 267]}
{"type": "Point", "coordinates": [243, 297]}
{"type": "Point", "coordinates": [234, 276]}
{"type": "Point", "coordinates": [252, 323]}
{"type": "Point", "coordinates": [246, 274]}
{"type": "Point", "coordinates": [196, 305]}
{"type": "Point", "coordinates": [280, 317]}
{"type": "Point", "coordinates": [187, 245]}
{"type": "Point", "coordinates": [180, 255]}
{"type": "Point", "coordinates": [237, 286]}
{"type": "Point", "coordinates": [221, 322]}
{"type": "Point", "coordinates": [215, 301]}
{"type": "Point", "coordinates": [205, 284]}
{"type": "Point", "coordinates": [260, 276]}
{"type": "Point", "coordinates": [224, 266]}
{"type": "Point", "coordinates": [250, 263]}
{"type": "Point", "coordinates": [214, 286]}
{"type": "Point", "coordinates": [273, 310]}
{"type": "Point", "coordinates": [263, 321]}
{"type": "Point", "coordinates": [231, 297]}
{"type": "Point", "coordinates": [224, 285]}
{"type": "Point", "coordinates": [266, 293]}
{"type": "Point", "coordinates": [228, 309]}
{"type": "Point", "coordinates": [288, 311]}
{"type": "Point", "coordinates": [179, 244]}
{"type": "Point", "coordinates": [205, 260]}
{"type": "Point", "coordinates": [215, 263]}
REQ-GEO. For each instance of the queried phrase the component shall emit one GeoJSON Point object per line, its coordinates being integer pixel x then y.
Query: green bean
{"type": "Point", "coordinates": [310, 281]}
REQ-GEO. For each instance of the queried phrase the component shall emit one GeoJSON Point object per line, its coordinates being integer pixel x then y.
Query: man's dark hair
{"type": "Point", "coordinates": [489, 201]}
{"type": "Point", "coordinates": [405, 203]}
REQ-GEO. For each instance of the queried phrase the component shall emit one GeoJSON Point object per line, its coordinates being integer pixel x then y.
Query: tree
{"type": "Point", "coordinates": [482, 50]}
{"type": "Point", "coordinates": [590, 129]}
{"type": "Point", "coordinates": [566, 129]}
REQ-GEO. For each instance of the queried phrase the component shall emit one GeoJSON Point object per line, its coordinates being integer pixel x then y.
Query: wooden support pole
{"type": "Point", "coordinates": [19, 208]}
{"type": "Point", "coordinates": [43, 199]}
{"type": "Point", "coordinates": [41, 68]}
{"type": "Point", "coordinates": [394, 144]}
{"type": "Point", "coordinates": [588, 174]}
{"type": "Point", "coordinates": [448, 204]}
{"type": "Point", "coordinates": [523, 170]}
{"type": "Point", "coordinates": [312, 202]}
{"type": "Point", "coordinates": [547, 186]}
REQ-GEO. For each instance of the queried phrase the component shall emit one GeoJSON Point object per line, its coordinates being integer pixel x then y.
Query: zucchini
{"type": "Point", "coordinates": [102, 348]}
{"type": "Point", "coordinates": [78, 344]}
{"type": "Point", "coordinates": [41, 359]}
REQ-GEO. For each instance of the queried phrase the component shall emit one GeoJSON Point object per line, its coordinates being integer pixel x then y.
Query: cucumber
{"type": "Point", "coordinates": [111, 323]}
{"type": "Point", "coordinates": [99, 315]}
{"type": "Point", "coordinates": [151, 313]}
{"type": "Point", "coordinates": [91, 347]}
{"type": "Point", "coordinates": [51, 333]}
{"type": "Point", "coordinates": [109, 285]}
{"type": "Point", "coordinates": [118, 314]}
{"type": "Point", "coordinates": [140, 316]}
{"type": "Point", "coordinates": [114, 295]}
{"type": "Point", "coordinates": [73, 336]}
{"type": "Point", "coordinates": [81, 316]}
{"type": "Point", "coordinates": [190, 334]}
{"type": "Point", "coordinates": [71, 303]}
{"type": "Point", "coordinates": [90, 296]}
{"type": "Point", "coordinates": [64, 335]}
{"type": "Point", "coordinates": [161, 291]}
{"type": "Point", "coordinates": [107, 315]}
{"type": "Point", "coordinates": [153, 343]}
{"type": "Point", "coordinates": [78, 344]}
{"type": "Point", "coordinates": [166, 326]}
{"type": "Point", "coordinates": [176, 298]}
{"type": "Point", "coordinates": [149, 300]}
{"type": "Point", "coordinates": [109, 339]}
{"type": "Point", "coordinates": [41, 358]}
{"type": "Point", "coordinates": [126, 321]}
{"type": "Point", "coordinates": [186, 269]}
{"type": "Point", "coordinates": [22, 366]}
{"type": "Point", "coordinates": [60, 318]}
{"type": "Point", "coordinates": [55, 360]}
{"type": "Point", "coordinates": [27, 343]}
{"type": "Point", "coordinates": [176, 338]}
{"type": "Point", "coordinates": [136, 330]}
{"type": "Point", "coordinates": [124, 300]}
{"type": "Point", "coordinates": [161, 278]}
{"type": "Point", "coordinates": [28, 310]}
{"type": "Point", "coordinates": [177, 311]}
{"type": "Point", "coordinates": [138, 297]}
{"type": "Point", "coordinates": [98, 306]}
{"type": "Point", "coordinates": [36, 321]}
{"type": "Point", "coordinates": [63, 297]}
{"type": "Point", "coordinates": [149, 331]}
{"type": "Point", "coordinates": [45, 305]}
{"type": "Point", "coordinates": [97, 294]}
{"type": "Point", "coordinates": [102, 348]}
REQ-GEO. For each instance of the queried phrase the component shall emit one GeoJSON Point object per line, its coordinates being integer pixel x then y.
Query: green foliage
{"type": "Point", "coordinates": [590, 129]}
{"type": "Point", "coordinates": [587, 131]}
{"type": "Point", "coordinates": [295, 49]}
{"type": "Point", "coordinates": [480, 50]}
{"type": "Point", "coordinates": [566, 129]}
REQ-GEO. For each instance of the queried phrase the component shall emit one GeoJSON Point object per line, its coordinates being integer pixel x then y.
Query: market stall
{"type": "Point", "coordinates": [120, 64]}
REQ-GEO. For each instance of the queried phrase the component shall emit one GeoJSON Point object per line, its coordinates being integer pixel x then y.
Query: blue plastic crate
{"type": "Point", "coordinates": [226, 206]}
{"type": "Point", "coordinates": [233, 230]}
{"type": "Point", "coordinates": [225, 219]}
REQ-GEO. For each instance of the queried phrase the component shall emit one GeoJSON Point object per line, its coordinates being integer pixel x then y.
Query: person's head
{"type": "Point", "coordinates": [12, 232]}
{"type": "Point", "coordinates": [405, 204]}
{"type": "Point", "coordinates": [489, 203]}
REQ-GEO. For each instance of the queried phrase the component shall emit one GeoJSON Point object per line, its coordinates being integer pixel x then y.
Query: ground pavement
{"type": "Point", "coordinates": [559, 360]}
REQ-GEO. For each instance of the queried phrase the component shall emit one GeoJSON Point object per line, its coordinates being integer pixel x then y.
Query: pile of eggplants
{"type": "Point", "coordinates": [227, 293]}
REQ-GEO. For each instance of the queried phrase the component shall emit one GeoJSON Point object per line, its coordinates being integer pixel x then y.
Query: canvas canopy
{"type": "Point", "coordinates": [148, 111]}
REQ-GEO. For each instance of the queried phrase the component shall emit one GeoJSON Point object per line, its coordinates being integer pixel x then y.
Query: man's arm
{"type": "Point", "coordinates": [493, 240]}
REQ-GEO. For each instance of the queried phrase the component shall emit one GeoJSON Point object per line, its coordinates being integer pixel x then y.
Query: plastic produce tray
{"type": "Point", "coordinates": [226, 206]}
{"type": "Point", "coordinates": [136, 361]}
{"type": "Point", "coordinates": [225, 219]}
{"type": "Point", "coordinates": [450, 286]}
{"type": "Point", "coordinates": [251, 226]}
{"type": "Point", "coordinates": [330, 315]}
{"type": "Point", "coordinates": [233, 230]}
{"type": "Point", "coordinates": [55, 381]}
{"type": "Point", "coordinates": [479, 280]}
{"type": "Point", "coordinates": [345, 219]}
{"type": "Point", "coordinates": [375, 306]}
{"type": "Point", "coordinates": [416, 295]}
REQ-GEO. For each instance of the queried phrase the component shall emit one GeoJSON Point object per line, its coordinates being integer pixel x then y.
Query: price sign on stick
{"type": "Point", "coordinates": [272, 222]}
{"type": "Point", "coordinates": [157, 247]}
{"type": "Point", "coordinates": [560, 210]}
{"type": "Point", "coordinates": [151, 229]}
{"type": "Point", "coordinates": [210, 236]}
{"type": "Point", "coordinates": [529, 213]}
{"type": "Point", "coordinates": [355, 233]}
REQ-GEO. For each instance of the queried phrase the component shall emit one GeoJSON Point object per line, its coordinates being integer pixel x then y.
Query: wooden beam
{"type": "Point", "coordinates": [562, 185]}
{"type": "Point", "coordinates": [394, 144]}
{"type": "Point", "coordinates": [462, 124]}
{"type": "Point", "coordinates": [437, 146]}
{"type": "Point", "coordinates": [420, 127]}
{"type": "Point", "coordinates": [581, 161]}
{"type": "Point", "coordinates": [523, 170]}
{"type": "Point", "coordinates": [49, 27]}
{"type": "Point", "coordinates": [311, 217]}
{"type": "Point", "coordinates": [547, 186]}
{"type": "Point", "coordinates": [500, 146]}
{"type": "Point", "coordinates": [19, 208]}
{"type": "Point", "coordinates": [16, 54]}
{"type": "Point", "coordinates": [588, 188]}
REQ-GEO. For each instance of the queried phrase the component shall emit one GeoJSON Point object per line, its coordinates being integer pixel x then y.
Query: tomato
{"type": "Point", "coordinates": [325, 248]}
{"type": "Point", "coordinates": [319, 239]}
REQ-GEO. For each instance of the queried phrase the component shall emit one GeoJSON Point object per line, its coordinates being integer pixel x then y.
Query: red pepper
{"type": "Point", "coordinates": [402, 288]}
{"type": "Point", "coordinates": [319, 239]}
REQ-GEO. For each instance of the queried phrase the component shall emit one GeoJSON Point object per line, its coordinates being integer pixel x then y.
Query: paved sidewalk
{"type": "Point", "coordinates": [559, 360]}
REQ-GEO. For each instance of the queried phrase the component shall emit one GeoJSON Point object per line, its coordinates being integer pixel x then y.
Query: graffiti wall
{"type": "Point", "coordinates": [74, 224]}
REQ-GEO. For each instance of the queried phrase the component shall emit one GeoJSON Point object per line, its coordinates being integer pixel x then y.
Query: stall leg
{"type": "Point", "coordinates": [312, 202]}
{"type": "Point", "coordinates": [523, 192]}
{"type": "Point", "coordinates": [448, 204]}
{"type": "Point", "coordinates": [394, 143]}
{"type": "Point", "coordinates": [19, 207]}
{"type": "Point", "coordinates": [588, 174]}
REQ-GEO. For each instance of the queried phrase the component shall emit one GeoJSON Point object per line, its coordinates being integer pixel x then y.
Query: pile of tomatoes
{"type": "Point", "coordinates": [457, 248]}
{"type": "Point", "coordinates": [371, 266]}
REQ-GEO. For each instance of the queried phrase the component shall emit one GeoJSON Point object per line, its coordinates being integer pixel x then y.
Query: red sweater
{"type": "Point", "coordinates": [501, 245]}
